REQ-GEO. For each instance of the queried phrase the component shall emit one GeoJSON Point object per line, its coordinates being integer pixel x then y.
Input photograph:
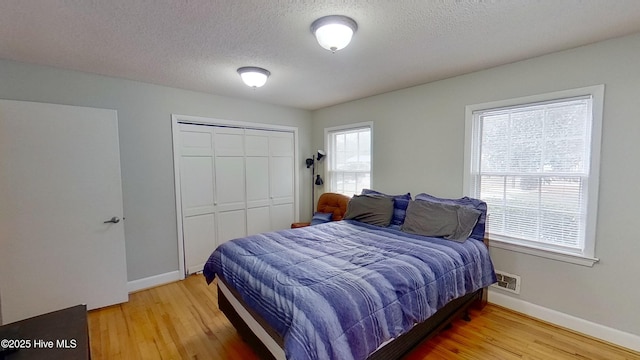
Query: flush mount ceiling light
{"type": "Point", "coordinates": [334, 32]}
{"type": "Point", "coordinates": [253, 76]}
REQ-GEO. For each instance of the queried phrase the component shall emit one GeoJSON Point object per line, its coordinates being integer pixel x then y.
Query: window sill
{"type": "Point", "coordinates": [554, 255]}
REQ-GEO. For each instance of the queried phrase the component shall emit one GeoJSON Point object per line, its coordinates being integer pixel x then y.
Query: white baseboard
{"type": "Point", "coordinates": [614, 336]}
{"type": "Point", "coordinates": [152, 281]}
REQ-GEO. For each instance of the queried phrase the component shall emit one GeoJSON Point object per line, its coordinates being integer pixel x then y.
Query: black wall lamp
{"type": "Point", "coordinates": [317, 180]}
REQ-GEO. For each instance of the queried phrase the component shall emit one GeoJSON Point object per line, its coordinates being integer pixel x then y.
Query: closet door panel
{"type": "Point", "coordinates": [197, 185]}
{"type": "Point", "coordinates": [281, 144]}
{"type": "Point", "coordinates": [196, 140]}
{"type": "Point", "coordinates": [196, 169]}
{"type": "Point", "coordinates": [230, 183]}
{"type": "Point", "coordinates": [281, 216]}
{"type": "Point", "coordinates": [228, 141]}
{"type": "Point", "coordinates": [281, 166]}
{"type": "Point", "coordinates": [257, 181]}
{"type": "Point", "coordinates": [231, 225]}
{"type": "Point", "coordinates": [258, 220]}
{"type": "Point", "coordinates": [281, 178]}
{"type": "Point", "coordinates": [257, 142]}
{"type": "Point", "coordinates": [200, 233]}
{"type": "Point", "coordinates": [281, 174]}
{"type": "Point", "coordinates": [230, 178]}
{"type": "Point", "coordinates": [197, 190]}
{"type": "Point", "coordinates": [229, 168]}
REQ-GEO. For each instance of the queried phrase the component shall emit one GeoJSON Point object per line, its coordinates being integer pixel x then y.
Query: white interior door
{"type": "Point", "coordinates": [59, 181]}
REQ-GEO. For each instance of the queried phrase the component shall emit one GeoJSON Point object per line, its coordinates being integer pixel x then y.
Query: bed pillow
{"type": "Point", "coordinates": [479, 229]}
{"type": "Point", "coordinates": [371, 209]}
{"type": "Point", "coordinates": [321, 218]}
{"type": "Point", "coordinates": [400, 203]}
{"type": "Point", "coordinates": [427, 218]}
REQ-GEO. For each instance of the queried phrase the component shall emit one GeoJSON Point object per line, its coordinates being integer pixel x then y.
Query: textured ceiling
{"type": "Point", "coordinates": [199, 44]}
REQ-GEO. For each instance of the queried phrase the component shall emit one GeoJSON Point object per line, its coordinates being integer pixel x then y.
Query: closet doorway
{"type": "Point", "coordinates": [233, 179]}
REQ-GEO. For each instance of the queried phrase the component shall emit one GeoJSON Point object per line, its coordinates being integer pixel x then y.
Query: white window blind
{"type": "Point", "coordinates": [532, 164]}
{"type": "Point", "coordinates": [349, 159]}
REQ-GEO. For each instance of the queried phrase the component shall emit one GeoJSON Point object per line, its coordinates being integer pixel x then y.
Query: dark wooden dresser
{"type": "Point", "coordinates": [61, 334]}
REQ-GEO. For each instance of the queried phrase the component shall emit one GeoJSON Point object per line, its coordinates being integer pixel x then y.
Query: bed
{"type": "Point", "coordinates": [346, 289]}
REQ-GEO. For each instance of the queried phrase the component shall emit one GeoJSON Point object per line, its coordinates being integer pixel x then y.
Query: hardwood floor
{"type": "Point", "coordinates": [181, 321]}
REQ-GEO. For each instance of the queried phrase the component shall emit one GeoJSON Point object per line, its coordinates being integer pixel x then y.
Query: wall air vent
{"type": "Point", "coordinates": [507, 282]}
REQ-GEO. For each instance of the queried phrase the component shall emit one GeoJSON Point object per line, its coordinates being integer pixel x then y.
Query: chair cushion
{"type": "Point", "coordinates": [333, 203]}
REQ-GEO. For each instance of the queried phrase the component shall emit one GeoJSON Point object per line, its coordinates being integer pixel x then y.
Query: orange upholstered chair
{"type": "Point", "coordinates": [329, 203]}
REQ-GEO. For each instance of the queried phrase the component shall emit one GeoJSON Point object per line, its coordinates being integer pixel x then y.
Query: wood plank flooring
{"type": "Point", "coordinates": [181, 320]}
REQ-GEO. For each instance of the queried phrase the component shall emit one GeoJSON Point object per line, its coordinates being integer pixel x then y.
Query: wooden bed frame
{"type": "Point", "coordinates": [392, 350]}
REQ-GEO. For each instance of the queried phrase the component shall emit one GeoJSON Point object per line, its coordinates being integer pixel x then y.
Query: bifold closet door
{"type": "Point", "coordinates": [258, 180]}
{"type": "Point", "coordinates": [281, 175]}
{"type": "Point", "coordinates": [234, 182]}
{"type": "Point", "coordinates": [230, 198]}
{"type": "Point", "coordinates": [197, 192]}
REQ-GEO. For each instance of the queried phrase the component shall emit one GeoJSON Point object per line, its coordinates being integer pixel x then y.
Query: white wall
{"type": "Point", "coordinates": [419, 143]}
{"type": "Point", "coordinates": [144, 120]}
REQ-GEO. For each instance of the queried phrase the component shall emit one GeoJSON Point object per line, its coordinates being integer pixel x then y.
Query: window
{"type": "Point", "coordinates": [349, 158]}
{"type": "Point", "coordinates": [535, 161]}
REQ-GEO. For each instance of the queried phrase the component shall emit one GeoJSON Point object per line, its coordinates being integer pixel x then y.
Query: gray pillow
{"type": "Point", "coordinates": [371, 209]}
{"type": "Point", "coordinates": [453, 222]}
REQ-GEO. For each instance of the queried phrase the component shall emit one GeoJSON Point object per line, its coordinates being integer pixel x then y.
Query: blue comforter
{"type": "Point", "coordinates": [341, 289]}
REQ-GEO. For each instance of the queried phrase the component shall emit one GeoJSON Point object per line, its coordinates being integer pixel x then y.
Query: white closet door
{"type": "Point", "coordinates": [281, 174]}
{"type": "Point", "coordinates": [230, 183]}
{"type": "Point", "coordinates": [197, 190]}
{"type": "Point", "coordinates": [257, 181]}
{"type": "Point", "coordinates": [234, 182]}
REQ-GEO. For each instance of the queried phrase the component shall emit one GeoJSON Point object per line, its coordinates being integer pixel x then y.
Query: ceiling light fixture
{"type": "Point", "coordinates": [334, 32]}
{"type": "Point", "coordinates": [253, 76]}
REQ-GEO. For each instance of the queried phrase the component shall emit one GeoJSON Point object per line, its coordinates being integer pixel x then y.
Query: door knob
{"type": "Point", "coordinates": [113, 220]}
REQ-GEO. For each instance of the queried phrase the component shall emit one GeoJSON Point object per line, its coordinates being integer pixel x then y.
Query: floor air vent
{"type": "Point", "coordinates": [508, 282]}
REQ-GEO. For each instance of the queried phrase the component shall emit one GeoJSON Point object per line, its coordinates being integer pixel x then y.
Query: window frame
{"type": "Point", "coordinates": [331, 154]}
{"type": "Point", "coordinates": [586, 255]}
